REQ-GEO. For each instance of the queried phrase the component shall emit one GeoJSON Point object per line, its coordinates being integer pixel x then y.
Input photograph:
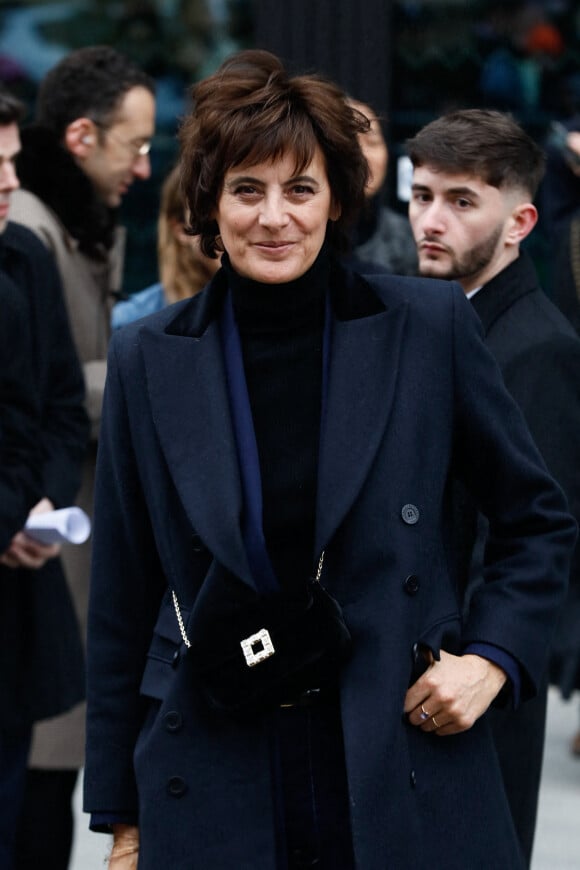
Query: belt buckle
{"type": "Point", "coordinates": [257, 648]}
{"type": "Point", "coordinates": [307, 698]}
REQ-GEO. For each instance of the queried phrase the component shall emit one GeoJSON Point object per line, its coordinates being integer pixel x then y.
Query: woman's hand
{"type": "Point", "coordinates": [453, 693]}
{"type": "Point", "coordinates": [125, 852]}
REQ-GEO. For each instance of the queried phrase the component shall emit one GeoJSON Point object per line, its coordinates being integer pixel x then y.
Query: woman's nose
{"type": "Point", "coordinates": [273, 211]}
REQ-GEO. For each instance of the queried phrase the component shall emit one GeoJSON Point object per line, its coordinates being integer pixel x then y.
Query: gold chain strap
{"type": "Point", "coordinates": [177, 608]}
{"type": "Point", "coordinates": [319, 569]}
{"type": "Point", "coordinates": [184, 636]}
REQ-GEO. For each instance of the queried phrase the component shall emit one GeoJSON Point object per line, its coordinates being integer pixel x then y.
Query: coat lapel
{"type": "Point", "coordinates": [363, 374]}
{"type": "Point", "coordinates": [186, 383]}
{"type": "Point", "coordinates": [190, 409]}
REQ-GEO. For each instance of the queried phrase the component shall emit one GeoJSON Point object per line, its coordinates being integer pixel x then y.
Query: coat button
{"type": "Point", "coordinates": [410, 514]}
{"type": "Point", "coordinates": [175, 659]}
{"type": "Point", "coordinates": [413, 779]}
{"type": "Point", "coordinates": [173, 721]}
{"type": "Point", "coordinates": [411, 584]}
{"type": "Point", "coordinates": [176, 786]}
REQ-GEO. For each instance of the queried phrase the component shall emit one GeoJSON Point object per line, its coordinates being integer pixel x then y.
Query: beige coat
{"type": "Point", "coordinates": [88, 286]}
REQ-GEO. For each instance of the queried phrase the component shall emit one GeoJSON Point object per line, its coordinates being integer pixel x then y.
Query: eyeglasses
{"type": "Point", "coordinates": [138, 149]}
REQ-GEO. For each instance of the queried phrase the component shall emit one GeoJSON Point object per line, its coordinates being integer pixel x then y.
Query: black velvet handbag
{"type": "Point", "coordinates": [269, 652]}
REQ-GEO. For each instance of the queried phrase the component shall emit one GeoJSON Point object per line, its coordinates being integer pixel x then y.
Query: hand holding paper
{"type": "Point", "coordinates": [68, 525]}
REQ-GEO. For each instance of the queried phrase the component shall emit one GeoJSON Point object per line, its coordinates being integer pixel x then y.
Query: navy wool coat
{"type": "Point", "coordinates": [414, 397]}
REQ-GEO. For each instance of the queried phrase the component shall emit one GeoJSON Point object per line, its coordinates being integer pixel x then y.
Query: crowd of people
{"type": "Point", "coordinates": [332, 459]}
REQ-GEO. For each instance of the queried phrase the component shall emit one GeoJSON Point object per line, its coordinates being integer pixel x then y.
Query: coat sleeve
{"type": "Point", "coordinates": [126, 588]}
{"type": "Point", "coordinates": [531, 533]}
{"type": "Point", "coordinates": [20, 480]}
{"type": "Point", "coordinates": [65, 427]}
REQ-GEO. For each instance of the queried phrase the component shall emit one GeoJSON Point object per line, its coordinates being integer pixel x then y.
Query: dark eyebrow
{"type": "Point", "coordinates": [301, 179]}
{"type": "Point", "coordinates": [463, 191]}
{"type": "Point", "coordinates": [241, 179]}
{"type": "Point", "coordinates": [460, 190]}
{"type": "Point", "coordinates": [248, 179]}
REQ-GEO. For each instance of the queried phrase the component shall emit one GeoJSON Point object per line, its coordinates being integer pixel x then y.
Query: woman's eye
{"type": "Point", "coordinates": [301, 189]}
{"type": "Point", "coordinates": [245, 190]}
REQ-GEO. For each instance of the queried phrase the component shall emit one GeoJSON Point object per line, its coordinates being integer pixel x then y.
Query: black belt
{"type": "Point", "coordinates": [311, 698]}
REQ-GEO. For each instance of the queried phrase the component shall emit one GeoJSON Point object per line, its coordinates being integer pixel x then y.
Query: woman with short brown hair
{"type": "Point", "coordinates": [279, 675]}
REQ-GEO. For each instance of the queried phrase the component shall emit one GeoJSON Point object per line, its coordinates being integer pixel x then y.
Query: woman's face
{"type": "Point", "coordinates": [272, 221]}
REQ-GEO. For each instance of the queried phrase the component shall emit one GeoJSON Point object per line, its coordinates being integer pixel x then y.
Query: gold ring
{"type": "Point", "coordinates": [435, 723]}
{"type": "Point", "coordinates": [424, 713]}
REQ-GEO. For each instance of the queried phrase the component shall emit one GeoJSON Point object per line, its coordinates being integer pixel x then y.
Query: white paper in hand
{"type": "Point", "coordinates": [65, 526]}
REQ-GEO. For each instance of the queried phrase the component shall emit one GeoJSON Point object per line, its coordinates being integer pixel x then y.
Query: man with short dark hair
{"type": "Point", "coordinates": [475, 175]}
{"type": "Point", "coordinates": [41, 672]}
{"type": "Point", "coordinates": [95, 116]}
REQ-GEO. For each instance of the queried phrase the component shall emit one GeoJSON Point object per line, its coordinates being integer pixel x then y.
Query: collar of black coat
{"type": "Point", "coordinates": [352, 298]}
{"type": "Point", "coordinates": [516, 280]}
{"type": "Point", "coordinates": [47, 169]}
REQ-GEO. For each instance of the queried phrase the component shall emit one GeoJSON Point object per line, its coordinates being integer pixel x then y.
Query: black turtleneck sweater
{"type": "Point", "coordinates": [281, 331]}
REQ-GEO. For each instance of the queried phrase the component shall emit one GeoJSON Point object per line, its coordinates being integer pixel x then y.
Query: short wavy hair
{"type": "Point", "coordinates": [251, 111]}
{"type": "Point", "coordinates": [485, 143]}
{"type": "Point", "coordinates": [88, 82]}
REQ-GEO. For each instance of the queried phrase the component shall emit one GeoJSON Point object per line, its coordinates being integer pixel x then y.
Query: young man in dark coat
{"type": "Point", "coordinates": [41, 672]}
{"type": "Point", "coordinates": [476, 173]}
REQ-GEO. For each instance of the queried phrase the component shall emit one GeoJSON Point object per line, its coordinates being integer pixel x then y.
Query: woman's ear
{"type": "Point", "coordinates": [80, 137]}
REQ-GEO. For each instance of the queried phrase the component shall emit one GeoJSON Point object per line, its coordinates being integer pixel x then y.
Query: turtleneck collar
{"type": "Point", "coordinates": [260, 308]}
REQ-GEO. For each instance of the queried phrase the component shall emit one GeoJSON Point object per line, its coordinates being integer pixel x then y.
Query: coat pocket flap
{"type": "Point", "coordinates": [164, 651]}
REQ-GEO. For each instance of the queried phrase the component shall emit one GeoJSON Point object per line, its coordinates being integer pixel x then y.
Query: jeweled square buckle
{"type": "Point", "coordinates": [257, 647]}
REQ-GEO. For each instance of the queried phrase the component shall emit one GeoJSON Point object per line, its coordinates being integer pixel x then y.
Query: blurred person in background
{"type": "Point", "coordinates": [382, 237]}
{"type": "Point", "coordinates": [95, 115]}
{"type": "Point", "coordinates": [563, 172]}
{"type": "Point", "coordinates": [41, 658]}
{"type": "Point", "coordinates": [183, 269]}
{"type": "Point", "coordinates": [562, 195]}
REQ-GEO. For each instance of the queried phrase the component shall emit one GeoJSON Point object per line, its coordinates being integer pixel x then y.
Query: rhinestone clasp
{"type": "Point", "coordinates": [257, 647]}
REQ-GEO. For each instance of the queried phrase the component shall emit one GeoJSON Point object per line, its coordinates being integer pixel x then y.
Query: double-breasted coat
{"type": "Point", "coordinates": [413, 397]}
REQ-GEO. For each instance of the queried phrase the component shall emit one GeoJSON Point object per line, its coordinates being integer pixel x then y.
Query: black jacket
{"type": "Point", "coordinates": [539, 357]}
{"type": "Point", "coordinates": [41, 671]}
{"type": "Point", "coordinates": [20, 486]}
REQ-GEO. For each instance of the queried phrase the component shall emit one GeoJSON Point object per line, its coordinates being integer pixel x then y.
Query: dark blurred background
{"type": "Point", "coordinates": [410, 59]}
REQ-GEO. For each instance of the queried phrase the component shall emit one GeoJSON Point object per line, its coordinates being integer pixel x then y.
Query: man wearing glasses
{"type": "Point", "coordinates": [95, 116]}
